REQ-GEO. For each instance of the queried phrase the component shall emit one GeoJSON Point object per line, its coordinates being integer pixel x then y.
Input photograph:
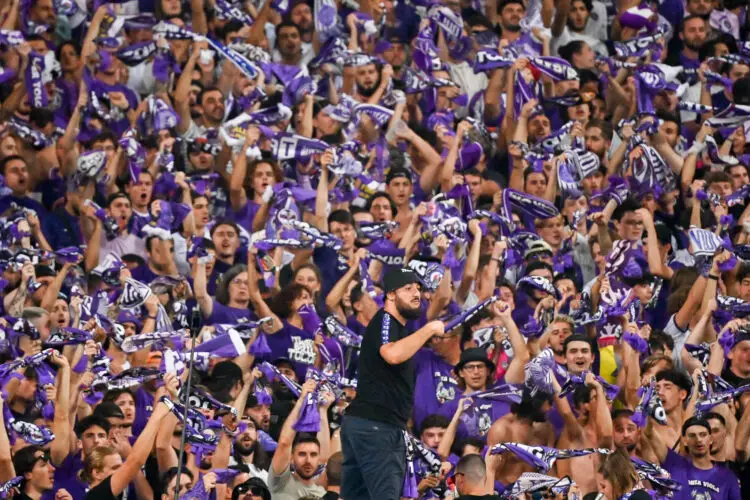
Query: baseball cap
{"type": "Point", "coordinates": [538, 246]}
{"type": "Point", "coordinates": [397, 278]}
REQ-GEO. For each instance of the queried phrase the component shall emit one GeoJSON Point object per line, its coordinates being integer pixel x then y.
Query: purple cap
{"type": "Point", "coordinates": [129, 317]}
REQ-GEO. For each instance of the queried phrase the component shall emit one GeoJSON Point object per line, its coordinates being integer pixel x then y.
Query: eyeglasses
{"type": "Point", "coordinates": [237, 281]}
{"type": "Point", "coordinates": [473, 367]}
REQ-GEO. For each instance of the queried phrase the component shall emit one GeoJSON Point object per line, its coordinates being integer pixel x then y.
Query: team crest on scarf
{"type": "Point", "coordinates": [446, 389]}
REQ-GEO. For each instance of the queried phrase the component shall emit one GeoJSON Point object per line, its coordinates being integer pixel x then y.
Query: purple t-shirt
{"type": "Point", "coordinates": [66, 477]}
{"type": "Point", "coordinates": [434, 384]}
{"type": "Point", "coordinates": [716, 483]}
{"type": "Point", "coordinates": [144, 405]}
{"type": "Point", "coordinates": [245, 215]}
{"type": "Point", "coordinates": [144, 274]}
{"type": "Point", "coordinates": [226, 314]}
{"type": "Point", "coordinates": [297, 345]}
{"type": "Point", "coordinates": [477, 420]}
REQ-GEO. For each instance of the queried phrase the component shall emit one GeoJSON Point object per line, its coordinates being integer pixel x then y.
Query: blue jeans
{"type": "Point", "coordinates": [374, 460]}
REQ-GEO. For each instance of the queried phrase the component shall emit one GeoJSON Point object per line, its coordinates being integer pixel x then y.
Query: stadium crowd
{"type": "Point", "coordinates": [322, 249]}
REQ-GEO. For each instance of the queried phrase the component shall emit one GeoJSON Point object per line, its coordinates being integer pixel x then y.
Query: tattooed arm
{"type": "Point", "coordinates": [18, 299]}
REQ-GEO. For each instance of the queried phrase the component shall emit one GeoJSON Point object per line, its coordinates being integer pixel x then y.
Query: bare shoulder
{"type": "Point", "coordinates": [500, 430]}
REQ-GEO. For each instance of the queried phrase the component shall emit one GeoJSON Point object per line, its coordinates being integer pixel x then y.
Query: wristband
{"type": "Point", "coordinates": [151, 317]}
{"type": "Point", "coordinates": [712, 277]}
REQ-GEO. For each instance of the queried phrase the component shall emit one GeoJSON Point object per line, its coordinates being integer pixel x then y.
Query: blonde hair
{"type": "Point", "coordinates": [95, 461]}
{"type": "Point", "coordinates": [619, 470]}
{"type": "Point", "coordinates": [561, 318]}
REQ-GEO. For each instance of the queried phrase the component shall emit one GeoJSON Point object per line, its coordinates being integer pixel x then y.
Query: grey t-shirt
{"type": "Point", "coordinates": [286, 486]}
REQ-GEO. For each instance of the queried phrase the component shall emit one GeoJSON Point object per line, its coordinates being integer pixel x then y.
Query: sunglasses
{"type": "Point", "coordinates": [252, 489]}
{"type": "Point", "coordinates": [44, 458]}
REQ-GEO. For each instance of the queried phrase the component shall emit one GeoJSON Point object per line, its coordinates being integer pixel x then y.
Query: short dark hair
{"type": "Point", "coordinates": [622, 412]}
{"type": "Point", "coordinates": [170, 474]}
{"type": "Point", "coordinates": [287, 23]}
{"type": "Point", "coordinates": [113, 394]}
{"type": "Point", "coordinates": [151, 238]}
{"type": "Point", "coordinates": [689, 18]}
{"type": "Point", "coordinates": [712, 415]}
{"type": "Point", "coordinates": [303, 438]}
{"type": "Point", "coordinates": [576, 337]}
{"type": "Point", "coordinates": [659, 340]}
{"type": "Point", "coordinates": [505, 3]}
{"type": "Point", "coordinates": [530, 170]}
{"type": "Point", "coordinates": [741, 90]}
{"type": "Point", "coordinates": [91, 421]}
{"type": "Point", "coordinates": [108, 410]}
{"type": "Point", "coordinates": [396, 172]}
{"type": "Point", "coordinates": [582, 395]}
{"type": "Point", "coordinates": [114, 196]}
{"type": "Point", "coordinates": [717, 176]}
{"type": "Point", "coordinates": [695, 421]}
{"type": "Point", "coordinates": [604, 126]}
{"type": "Point", "coordinates": [341, 216]}
{"type": "Point", "coordinates": [24, 459]}
{"type": "Point", "coordinates": [223, 377]}
{"type": "Point", "coordinates": [473, 468]}
{"type": "Point", "coordinates": [669, 117]}
{"type": "Point", "coordinates": [570, 48]}
{"type": "Point", "coordinates": [538, 264]}
{"type": "Point", "coordinates": [743, 272]}
{"type": "Point", "coordinates": [676, 377]}
{"type": "Point", "coordinates": [131, 258]}
{"type": "Point", "coordinates": [434, 420]}
{"type": "Point", "coordinates": [382, 194]}
{"type": "Point", "coordinates": [4, 162]}
{"type": "Point", "coordinates": [225, 222]}
{"type": "Point", "coordinates": [629, 205]}
{"type": "Point", "coordinates": [206, 90]}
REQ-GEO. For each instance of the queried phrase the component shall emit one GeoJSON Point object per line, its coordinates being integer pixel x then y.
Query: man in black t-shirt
{"type": "Point", "coordinates": [737, 371]}
{"type": "Point", "coordinates": [471, 478]}
{"type": "Point", "coordinates": [372, 430]}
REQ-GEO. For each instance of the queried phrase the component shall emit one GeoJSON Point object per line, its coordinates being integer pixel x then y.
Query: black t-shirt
{"type": "Point", "coordinates": [733, 379]}
{"type": "Point", "coordinates": [385, 393]}
{"type": "Point", "coordinates": [103, 491]}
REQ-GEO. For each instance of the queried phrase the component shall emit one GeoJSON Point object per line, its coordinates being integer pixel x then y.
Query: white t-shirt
{"type": "Point", "coordinates": [141, 78]}
{"type": "Point", "coordinates": [680, 337]}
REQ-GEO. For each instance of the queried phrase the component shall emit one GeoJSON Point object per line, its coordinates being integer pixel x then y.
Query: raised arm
{"type": "Point", "coordinates": [237, 194]}
{"type": "Point", "coordinates": [182, 91]}
{"type": "Point", "coordinates": [444, 449]}
{"type": "Point", "coordinates": [7, 472]}
{"type": "Point", "coordinates": [333, 300]}
{"type": "Point", "coordinates": [200, 288]}
{"type": "Point", "coordinates": [472, 262]}
{"type": "Point", "coordinates": [521, 355]}
{"type": "Point", "coordinates": [259, 304]}
{"type": "Point", "coordinates": [655, 263]}
{"type": "Point", "coordinates": [283, 453]}
{"type": "Point", "coordinates": [602, 416]}
{"type": "Point", "coordinates": [321, 196]}
{"type": "Point", "coordinates": [655, 441]}
{"type": "Point", "coordinates": [61, 425]}
{"type": "Point", "coordinates": [395, 353]}
{"type": "Point", "coordinates": [142, 448]}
